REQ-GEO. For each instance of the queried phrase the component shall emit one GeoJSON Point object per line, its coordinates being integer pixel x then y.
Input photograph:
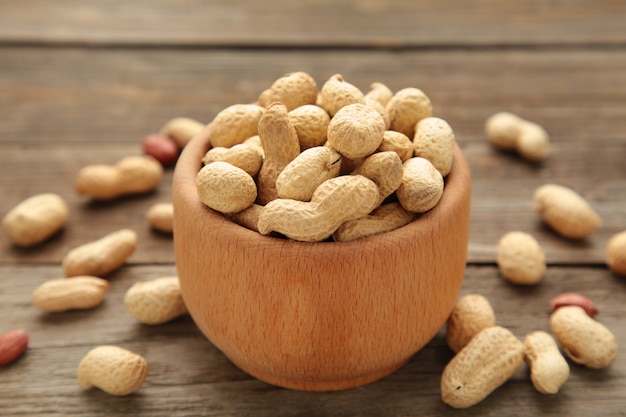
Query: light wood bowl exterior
{"type": "Point", "coordinates": [326, 315]}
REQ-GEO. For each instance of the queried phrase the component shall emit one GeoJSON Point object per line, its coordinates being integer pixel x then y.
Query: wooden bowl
{"type": "Point", "coordinates": [326, 315]}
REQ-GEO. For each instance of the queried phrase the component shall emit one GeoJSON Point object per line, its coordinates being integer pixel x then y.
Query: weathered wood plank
{"type": "Point", "coordinates": [313, 23]}
{"type": "Point", "coordinates": [188, 376]}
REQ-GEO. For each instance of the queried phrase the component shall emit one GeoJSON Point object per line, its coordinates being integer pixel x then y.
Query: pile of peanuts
{"type": "Point", "coordinates": [336, 163]}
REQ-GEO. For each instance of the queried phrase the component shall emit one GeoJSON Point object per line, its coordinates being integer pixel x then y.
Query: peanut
{"type": "Point", "coordinates": [421, 186]}
{"type": "Point", "coordinates": [566, 211]}
{"type": "Point", "coordinates": [380, 109]}
{"type": "Point", "coordinates": [487, 362]}
{"type": "Point", "coordinates": [583, 339]}
{"type": "Point", "coordinates": [383, 219]}
{"type": "Point", "coordinates": [112, 369]}
{"type": "Point", "coordinates": [407, 107]}
{"type": "Point", "coordinates": [182, 130]}
{"type": "Point", "coordinates": [311, 123]}
{"type": "Point", "coordinates": [356, 131]}
{"type": "Point", "coordinates": [380, 93]}
{"type": "Point", "coordinates": [242, 155]}
{"type": "Point", "coordinates": [162, 148]}
{"type": "Point", "coordinates": [235, 124]}
{"type": "Point", "coordinates": [520, 258]}
{"type": "Point", "coordinates": [548, 368]}
{"type": "Point", "coordinates": [160, 217]}
{"type": "Point", "coordinates": [293, 90]}
{"type": "Point", "coordinates": [508, 131]}
{"type": "Point", "coordinates": [255, 143]}
{"type": "Point", "coordinates": [13, 344]}
{"type": "Point", "coordinates": [156, 301]}
{"type": "Point", "coordinates": [281, 146]}
{"type": "Point", "coordinates": [225, 188]}
{"type": "Point", "coordinates": [573, 299]}
{"type": "Point", "coordinates": [35, 219]}
{"type": "Point", "coordinates": [471, 314]}
{"type": "Point", "coordinates": [616, 253]}
{"type": "Point", "coordinates": [102, 256]}
{"type": "Point", "coordinates": [397, 142]}
{"type": "Point", "coordinates": [248, 218]}
{"type": "Point", "coordinates": [385, 169]}
{"type": "Point", "coordinates": [434, 140]}
{"type": "Point", "coordinates": [131, 175]}
{"type": "Point", "coordinates": [307, 171]}
{"type": "Point", "coordinates": [63, 294]}
{"type": "Point", "coordinates": [337, 200]}
{"type": "Point", "coordinates": [337, 93]}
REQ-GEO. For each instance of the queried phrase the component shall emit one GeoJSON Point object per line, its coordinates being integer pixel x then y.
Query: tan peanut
{"type": "Point", "coordinates": [380, 109]}
{"type": "Point", "coordinates": [293, 90]}
{"type": "Point", "coordinates": [385, 169]}
{"type": "Point", "coordinates": [311, 123]}
{"type": "Point", "coordinates": [383, 219]}
{"type": "Point", "coordinates": [35, 219]}
{"type": "Point", "coordinates": [616, 253]}
{"type": "Point", "coordinates": [102, 256]}
{"type": "Point", "coordinates": [155, 301]}
{"type": "Point", "coordinates": [248, 217]}
{"type": "Point", "coordinates": [160, 217]}
{"type": "Point", "coordinates": [13, 344]}
{"type": "Point", "coordinates": [337, 200]}
{"type": "Point", "coordinates": [337, 93]}
{"type": "Point", "coordinates": [280, 145]}
{"type": "Point", "coordinates": [548, 368]}
{"type": "Point", "coordinates": [225, 187]}
{"type": "Point", "coordinates": [507, 131]}
{"type": "Point", "coordinates": [234, 124]}
{"type": "Point", "coordinates": [565, 211]}
{"type": "Point", "coordinates": [182, 130]}
{"type": "Point", "coordinates": [242, 155]}
{"type": "Point", "coordinates": [356, 131]}
{"type": "Point", "coordinates": [434, 140]}
{"type": "Point", "coordinates": [130, 175]}
{"type": "Point", "coordinates": [520, 258]}
{"type": "Point", "coordinates": [407, 107]}
{"type": "Point", "coordinates": [397, 142]}
{"type": "Point", "coordinates": [380, 93]}
{"type": "Point", "coordinates": [471, 314]}
{"type": "Point", "coordinates": [307, 171]}
{"type": "Point", "coordinates": [76, 293]}
{"type": "Point", "coordinates": [487, 362]}
{"type": "Point", "coordinates": [533, 143]}
{"type": "Point", "coordinates": [584, 340]}
{"type": "Point", "coordinates": [421, 187]}
{"type": "Point", "coordinates": [112, 369]}
{"type": "Point", "coordinates": [573, 299]}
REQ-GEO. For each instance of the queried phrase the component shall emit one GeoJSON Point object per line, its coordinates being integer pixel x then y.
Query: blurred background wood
{"type": "Point", "coordinates": [84, 82]}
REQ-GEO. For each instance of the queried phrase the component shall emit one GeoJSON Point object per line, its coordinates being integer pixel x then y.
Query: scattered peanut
{"type": "Point", "coordinates": [76, 293]}
{"type": "Point", "coordinates": [337, 200]}
{"type": "Point", "coordinates": [385, 218]}
{"type": "Point", "coordinates": [160, 217]}
{"type": "Point", "coordinates": [162, 148]}
{"type": "Point", "coordinates": [407, 107]}
{"type": "Point", "coordinates": [225, 188]}
{"type": "Point", "coordinates": [307, 171]}
{"type": "Point", "coordinates": [131, 175]}
{"type": "Point", "coordinates": [616, 253]}
{"type": "Point", "coordinates": [487, 362]}
{"type": "Point", "coordinates": [548, 368]}
{"type": "Point", "coordinates": [566, 211]}
{"type": "Point", "coordinates": [520, 258]}
{"type": "Point", "coordinates": [471, 314]}
{"type": "Point", "coordinates": [573, 299]}
{"type": "Point", "coordinates": [112, 369]}
{"type": "Point", "coordinates": [356, 131]}
{"type": "Point", "coordinates": [242, 155]}
{"type": "Point", "coordinates": [182, 130]}
{"type": "Point", "coordinates": [583, 339]}
{"type": "Point", "coordinates": [102, 256]}
{"type": "Point", "coordinates": [13, 344]}
{"type": "Point", "coordinates": [35, 219]}
{"type": "Point", "coordinates": [434, 140]}
{"type": "Point", "coordinates": [235, 124]}
{"type": "Point", "coordinates": [508, 131]}
{"type": "Point", "coordinates": [311, 123]}
{"type": "Point", "coordinates": [155, 302]}
{"type": "Point", "coordinates": [293, 90]}
{"type": "Point", "coordinates": [421, 186]}
{"type": "Point", "coordinates": [337, 93]}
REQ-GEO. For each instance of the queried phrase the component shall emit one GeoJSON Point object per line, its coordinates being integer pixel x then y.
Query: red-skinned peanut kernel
{"type": "Point", "coordinates": [13, 344]}
{"type": "Point", "coordinates": [573, 299]}
{"type": "Point", "coordinates": [162, 148]}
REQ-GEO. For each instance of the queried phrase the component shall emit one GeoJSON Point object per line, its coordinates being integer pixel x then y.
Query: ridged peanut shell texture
{"type": "Point", "coordinates": [155, 301]}
{"type": "Point", "coordinates": [337, 93]}
{"type": "Point", "coordinates": [548, 368]}
{"type": "Point", "coordinates": [471, 314]}
{"type": "Point", "coordinates": [235, 124]}
{"type": "Point", "coordinates": [76, 293]}
{"type": "Point", "coordinates": [293, 90]}
{"type": "Point", "coordinates": [566, 211]}
{"type": "Point", "coordinates": [421, 186]}
{"type": "Point", "coordinates": [407, 107]}
{"type": "Point", "coordinates": [356, 131]}
{"type": "Point", "coordinates": [434, 140]}
{"type": "Point", "coordinates": [520, 258]}
{"type": "Point", "coordinates": [311, 123]}
{"type": "Point", "coordinates": [35, 219]}
{"type": "Point", "coordinates": [112, 369]}
{"type": "Point", "coordinates": [102, 256]}
{"type": "Point", "coordinates": [225, 188]}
